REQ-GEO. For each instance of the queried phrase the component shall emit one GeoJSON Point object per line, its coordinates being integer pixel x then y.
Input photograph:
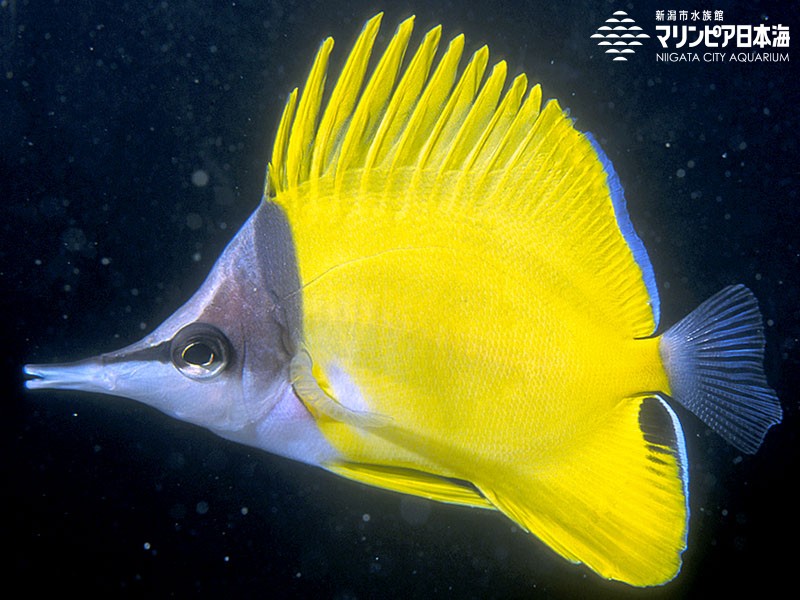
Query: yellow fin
{"type": "Point", "coordinates": [343, 99]}
{"type": "Point", "coordinates": [414, 139]}
{"type": "Point", "coordinates": [304, 127]}
{"type": "Point", "coordinates": [450, 140]}
{"type": "Point", "coordinates": [366, 118]}
{"type": "Point", "coordinates": [439, 143]}
{"type": "Point", "coordinates": [281, 146]}
{"type": "Point", "coordinates": [403, 100]}
{"type": "Point", "coordinates": [617, 504]}
{"type": "Point", "coordinates": [481, 112]}
{"type": "Point", "coordinates": [410, 481]}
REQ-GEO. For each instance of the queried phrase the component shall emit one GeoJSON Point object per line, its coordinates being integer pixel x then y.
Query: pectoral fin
{"type": "Point", "coordinates": [314, 390]}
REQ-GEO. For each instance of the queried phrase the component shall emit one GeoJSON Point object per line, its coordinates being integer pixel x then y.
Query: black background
{"type": "Point", "coordinates": [106, 111]}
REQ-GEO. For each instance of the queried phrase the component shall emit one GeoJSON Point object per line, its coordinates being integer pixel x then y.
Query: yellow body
{"type": "Point", "coordinates": [475, 320]}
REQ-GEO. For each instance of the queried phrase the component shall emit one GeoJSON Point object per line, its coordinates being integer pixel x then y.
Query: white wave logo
{"type": "Point", "coordinates": [620, 35]}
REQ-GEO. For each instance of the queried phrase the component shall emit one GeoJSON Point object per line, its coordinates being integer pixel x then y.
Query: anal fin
{"type": "Point", "coordinates": [617, 503]}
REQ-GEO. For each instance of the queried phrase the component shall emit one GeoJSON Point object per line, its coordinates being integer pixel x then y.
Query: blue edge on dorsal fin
{"type": "Point", "coordinates": [628, 232]}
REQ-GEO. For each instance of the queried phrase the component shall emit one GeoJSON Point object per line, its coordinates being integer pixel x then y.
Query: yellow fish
{"type": "Point", "coordinates": [442, 294]}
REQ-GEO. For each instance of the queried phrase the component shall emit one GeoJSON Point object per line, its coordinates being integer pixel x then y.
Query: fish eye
{"type": "Point", "coordinates": [200, 351]}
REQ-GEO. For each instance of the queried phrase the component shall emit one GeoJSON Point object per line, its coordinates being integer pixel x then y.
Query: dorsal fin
{"type": "Point", "coordinates": [397, 119]}
{"type": "Point", "coordinates": [431, 135]}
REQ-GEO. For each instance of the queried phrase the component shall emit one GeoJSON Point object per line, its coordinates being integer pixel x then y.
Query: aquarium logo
{"type": "Point", "coordinates": [619, 36]}
{"type": "Point", "coordinates": [695, 36]}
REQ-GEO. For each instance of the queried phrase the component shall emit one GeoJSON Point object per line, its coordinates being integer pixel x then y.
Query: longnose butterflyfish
{"type": "Point", "coordinates": [442, 294]}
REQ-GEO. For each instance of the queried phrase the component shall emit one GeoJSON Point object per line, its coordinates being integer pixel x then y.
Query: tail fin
{"type": "Point", "coordinates": [714, 359]}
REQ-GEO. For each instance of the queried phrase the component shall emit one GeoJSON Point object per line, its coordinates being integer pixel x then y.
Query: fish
{"type": "Point", "coordinates": [441, 293]}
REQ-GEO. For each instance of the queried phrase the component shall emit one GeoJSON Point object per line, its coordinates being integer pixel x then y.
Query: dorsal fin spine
{"type": "Point", "coordinates": [452, 116]}
{"type": "Point", "coordinates": [523, 132]}
{"type": "Point", "coordinates": [527, 114]}
{"type": "Point", "coordinates": [305, 120]}
{"type": "Point", "coordinates": [403, 101]}
{"type": "Point", "coordinates": [276, 176]}
{"type": "Point", "coordinates": [427, 108]}
{"type": "Point", "coordinates": [495, 131]}
{"type": "Point", "coordinates": [372, 104]}
{"type": "Point", "coordinates": [344, 98]}
{"type": "Point", "coordinates": [479, 118]}
{"type": "Point", "coordinates": [546, 134]}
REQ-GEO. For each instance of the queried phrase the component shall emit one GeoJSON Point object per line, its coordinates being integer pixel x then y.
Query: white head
{"type": "Point", "coordinates": [220, 361]}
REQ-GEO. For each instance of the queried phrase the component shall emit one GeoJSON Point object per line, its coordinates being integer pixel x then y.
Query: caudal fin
{"type": "Point", "coordinates": [714, 359]}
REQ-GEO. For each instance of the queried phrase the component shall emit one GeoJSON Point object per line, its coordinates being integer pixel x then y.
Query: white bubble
{"type": "Point", "coordinates": [200, 178]}
{"type": "Point", "coordinates": [194, 221]}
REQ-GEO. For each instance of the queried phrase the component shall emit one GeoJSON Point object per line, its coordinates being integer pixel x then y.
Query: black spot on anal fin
{"type": "Point", "coordinates": [657, 426]}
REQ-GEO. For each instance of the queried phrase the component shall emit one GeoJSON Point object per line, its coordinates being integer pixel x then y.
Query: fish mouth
{"type": "Point", "coordinates": [102, 374]}
{"type": "Point", "coordinates": [79, 375]}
